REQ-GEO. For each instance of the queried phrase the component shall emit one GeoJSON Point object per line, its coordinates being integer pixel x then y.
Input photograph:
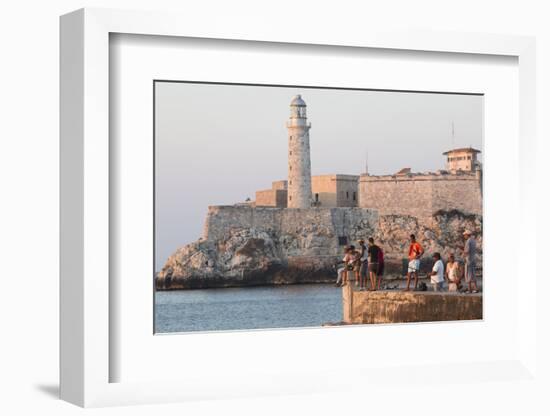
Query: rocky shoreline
{"type": "Point", "coordinates": [248, 246]}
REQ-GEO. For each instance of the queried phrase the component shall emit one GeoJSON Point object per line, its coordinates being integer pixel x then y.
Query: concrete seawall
{"type": "Point", "coordinates": [382, 307]}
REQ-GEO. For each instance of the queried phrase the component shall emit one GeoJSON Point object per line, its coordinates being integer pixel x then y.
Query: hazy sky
{"type": "Point", "coordinates": [218, 144]}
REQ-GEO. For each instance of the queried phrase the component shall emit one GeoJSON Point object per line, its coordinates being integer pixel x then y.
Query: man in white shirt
{"type": "Point", "coordinates": [343, 270]}
{"type": "Point", "coordinates": [437, 275]}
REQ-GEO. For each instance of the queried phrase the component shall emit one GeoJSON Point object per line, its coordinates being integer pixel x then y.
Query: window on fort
{"type": "Point", "coordinates": [354, 196]}
{"type": "Point", "coordinates": [316, 197]}
{"type": "Point", "coordinates": [290, 153]}
{"type": "Point", "coordinates": [342, 241]}
{"type": "Point", "coordinates": [290, 197]}
{"type": "Point", "coordinates": [347, 195]}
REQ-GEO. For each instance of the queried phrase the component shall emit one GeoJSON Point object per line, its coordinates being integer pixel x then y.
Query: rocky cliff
{"type": "Point", "coordinates": [243, 245]}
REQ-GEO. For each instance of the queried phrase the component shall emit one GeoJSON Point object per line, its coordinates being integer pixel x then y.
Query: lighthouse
{"type": "Point", "coordinates": [299, 162]}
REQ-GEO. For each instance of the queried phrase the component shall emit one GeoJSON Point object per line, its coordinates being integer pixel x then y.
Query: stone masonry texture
{"type": "Point", "coordinates": [381, 307]}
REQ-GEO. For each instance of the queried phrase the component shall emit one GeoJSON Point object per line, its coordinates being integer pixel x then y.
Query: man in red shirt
{"type": "Point", "coordinates": [415, 252]}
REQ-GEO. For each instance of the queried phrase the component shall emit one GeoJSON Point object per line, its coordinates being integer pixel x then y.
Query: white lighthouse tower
{"type": "Point", "coordinates": [299, 162]}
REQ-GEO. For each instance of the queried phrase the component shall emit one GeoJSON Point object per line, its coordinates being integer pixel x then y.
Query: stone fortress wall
{"type": "Point", "coordinates": [316, 231]}
{"type": "Point", "coordinates": [415, 194]}
{"type": "Point", "coordinates": [422, 195]}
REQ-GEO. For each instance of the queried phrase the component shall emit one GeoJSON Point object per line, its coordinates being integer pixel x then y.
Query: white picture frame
{"type": "Point", "coordinates": [86, 332]}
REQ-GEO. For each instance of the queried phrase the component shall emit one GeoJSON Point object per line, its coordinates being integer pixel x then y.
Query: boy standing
{"type": "Point", "coordinates": [415, 252]}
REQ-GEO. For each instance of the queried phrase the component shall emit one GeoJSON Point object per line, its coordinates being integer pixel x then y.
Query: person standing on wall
{"type": "Point", "coordinates": [373, 252]}
{"type": "Point", "coordinates": [380, 266]}
{"type": "Point", "coordinates": [357, 266]}
{"type": "Point", "coordinates": [415, 252]}
{"type": "Point", "coordinates": [436, 275]}
{"type": "Point", "coordinates": [470, 262]}
{"type": "Point", "coordinates": [364, 264]}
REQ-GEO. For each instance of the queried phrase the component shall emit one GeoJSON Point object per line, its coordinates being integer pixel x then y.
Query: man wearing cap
{"type": "Point", "coordinates": [470, 262]}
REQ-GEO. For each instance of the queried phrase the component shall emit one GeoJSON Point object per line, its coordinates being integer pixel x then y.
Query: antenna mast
{"type": "Point", "coordinates": [453, 134]}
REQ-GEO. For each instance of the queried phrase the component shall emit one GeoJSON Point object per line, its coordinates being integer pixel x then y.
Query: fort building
{"type": "Point", "coordinates": [335, 190]}
{"type": "Point", "coordinates": [328, 191]}
{"type": "Point", "coordinates": [274, 197]}
{"type": "Point", "coordinates": [420, 195]}
{"type": "Point", "coordinates": [464, 159]}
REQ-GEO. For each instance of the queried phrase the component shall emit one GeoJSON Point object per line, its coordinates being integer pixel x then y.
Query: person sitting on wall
{"type": "Point", "coordinates": [436, 275]}
{"type": "Point", "coordinates": [350, 260]}
{"type": "Point", "coordinates": [373, 252]}
{"type": "Point", "coordinates": [341, 271]}
{"type": "Point", "coordinates": [380, 265]}
{"type": "Point", "coordinates": [415, 252]}
{"type": "Point", "coordinates": [452, 274]}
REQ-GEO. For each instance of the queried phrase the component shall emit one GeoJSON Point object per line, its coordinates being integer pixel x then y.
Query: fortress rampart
{"type": "Point", "coordinates": [421, 195]}
{"type": "Point", "coordinates": [307, 231]}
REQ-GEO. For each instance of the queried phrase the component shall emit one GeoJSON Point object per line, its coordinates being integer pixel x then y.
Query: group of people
{"type": "Point", "coordinates": [367, 263]}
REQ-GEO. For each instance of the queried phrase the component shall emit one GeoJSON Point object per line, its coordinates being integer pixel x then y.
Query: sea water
{"type": "Point", "coordinates": [286, 306]}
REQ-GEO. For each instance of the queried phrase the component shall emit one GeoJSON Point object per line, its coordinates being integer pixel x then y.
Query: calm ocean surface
{"type": "Point", "coordinates": [247, 308]}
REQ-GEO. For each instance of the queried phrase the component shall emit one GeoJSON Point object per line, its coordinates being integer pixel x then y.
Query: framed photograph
{"type": "Point", "coordinates": [241, 213]}
{"type": "Point", "coordinates": [404, 245]}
